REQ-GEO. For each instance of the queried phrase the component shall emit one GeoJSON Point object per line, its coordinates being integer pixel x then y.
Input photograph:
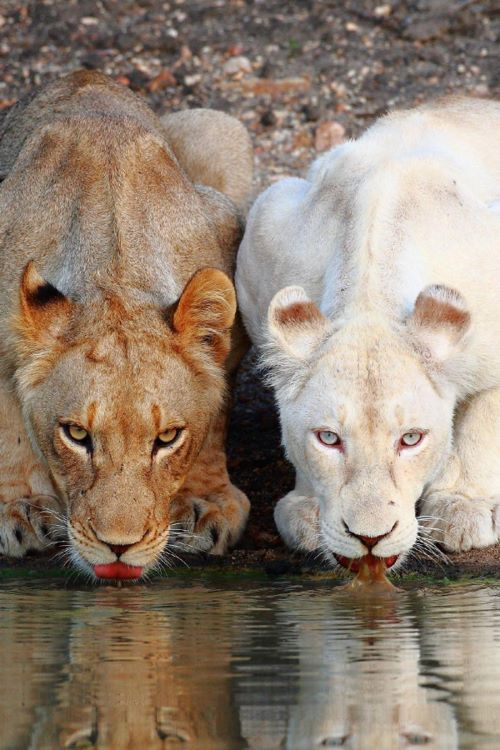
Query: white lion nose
{"type": "Point", "coordinates": [369, 541]}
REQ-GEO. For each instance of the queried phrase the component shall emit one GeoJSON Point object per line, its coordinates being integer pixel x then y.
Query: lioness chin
{"type": "Point", "coordinates": [385, 360]}
{"type": "Point", "coordinates": [116, 326]}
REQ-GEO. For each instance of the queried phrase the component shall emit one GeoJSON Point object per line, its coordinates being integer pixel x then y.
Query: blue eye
{"type": "Point", "coordinates": [411, 439]}
{"type": "Point", "coordinates": [329, 438]}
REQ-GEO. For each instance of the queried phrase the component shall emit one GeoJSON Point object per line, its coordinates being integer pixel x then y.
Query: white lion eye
{"type": "Point", "coordinates": [411, 439]}
{"type": "Point", "coordinates": [329, 438]}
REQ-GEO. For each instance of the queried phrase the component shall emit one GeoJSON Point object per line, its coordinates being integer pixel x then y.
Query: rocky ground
{"type": "Point", "coordinates": [302, 75]}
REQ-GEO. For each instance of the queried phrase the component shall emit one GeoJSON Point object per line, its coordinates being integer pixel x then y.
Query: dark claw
{"type": "Point", "coordinates": [214, 534]}
{"type": "Point", "coordinates": [18, 534]}
{"type": "Point", "coordinates": [197, 513]}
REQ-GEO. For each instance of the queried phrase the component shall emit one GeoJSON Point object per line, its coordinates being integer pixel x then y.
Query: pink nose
{"type": "Point", "coordinates": [371, 541]}
{"type": "Point", "coordinates": [119, 549]}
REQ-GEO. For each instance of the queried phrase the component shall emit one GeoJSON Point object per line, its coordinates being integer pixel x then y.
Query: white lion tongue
{"type": "Point", "coordinates": [370, 571]}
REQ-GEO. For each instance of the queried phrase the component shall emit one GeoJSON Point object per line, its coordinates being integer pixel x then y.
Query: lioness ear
{"type": "Point", "coordinates": [440, 320]}
{"type": "Point", "coordinates": [205, 312]}
{"type": "Point", "coordinates": [44, 311]}
{"type": "Point", "coordinates": [295, 324]}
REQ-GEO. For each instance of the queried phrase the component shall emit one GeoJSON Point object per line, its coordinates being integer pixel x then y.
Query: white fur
{"type": "Point", "coordinates": [410, 205]}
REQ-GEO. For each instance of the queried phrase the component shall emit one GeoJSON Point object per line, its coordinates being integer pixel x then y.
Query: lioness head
{"type": "Point", "coordinates": [118, 399]}
{"type": "Point", "coordinates": [367, 413]}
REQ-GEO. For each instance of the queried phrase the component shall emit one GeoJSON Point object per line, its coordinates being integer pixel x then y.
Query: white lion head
{"type": "Point", "coordinates": [367, 412]}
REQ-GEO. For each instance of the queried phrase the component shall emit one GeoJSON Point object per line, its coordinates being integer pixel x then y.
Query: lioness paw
{"type": "Point", "coordinates": [296, 518]}
{"type": "Point", "coordinates": [211, 524]}
{"type": "Point", "coordinates": [460, 523]}
{"type": "Point", "coordinates": [27, 524]}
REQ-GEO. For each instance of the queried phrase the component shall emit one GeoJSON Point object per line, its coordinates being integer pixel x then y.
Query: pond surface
{"type": "Point", "coordinates": [197, 663]}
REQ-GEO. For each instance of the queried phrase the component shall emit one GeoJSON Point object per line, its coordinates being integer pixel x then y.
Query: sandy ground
{"type": "Point", "coordinates": [302, 76]}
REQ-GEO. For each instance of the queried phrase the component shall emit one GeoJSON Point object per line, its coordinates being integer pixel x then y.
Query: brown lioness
{"type": "Point", "coordinates": [116, 313]}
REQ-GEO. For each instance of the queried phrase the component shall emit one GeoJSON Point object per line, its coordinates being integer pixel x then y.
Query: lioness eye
{"type": "Point", "coordinates": [77, 434]}
{"type": "Point", "coordinates": [329, 438]}
{"type": "Point", "coordinates": [411, 439]}
{"type": "Point", "coordinates": [167, 437]}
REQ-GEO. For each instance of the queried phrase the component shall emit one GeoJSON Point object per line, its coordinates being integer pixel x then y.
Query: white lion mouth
{"type": "Point", "coordinates": [354, 564]}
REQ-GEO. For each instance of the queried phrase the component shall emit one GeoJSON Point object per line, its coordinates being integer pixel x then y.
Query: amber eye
{"type": "Point", "coordinates": [77, 435]}
{"type": "Point", "coordinates": [167, 438]}
{"type": "Point", "coordinates": [411, 439]}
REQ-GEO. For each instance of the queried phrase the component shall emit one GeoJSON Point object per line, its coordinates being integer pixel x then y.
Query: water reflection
{"type": "Point", "coordinates": [190, 664]}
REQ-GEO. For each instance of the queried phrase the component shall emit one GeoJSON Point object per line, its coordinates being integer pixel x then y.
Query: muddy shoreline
{"type": "Point", "coordinates": [480, 566]}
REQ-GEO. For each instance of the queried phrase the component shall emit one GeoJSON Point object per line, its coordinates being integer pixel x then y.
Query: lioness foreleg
{"type": "Point", "coordinates": [210, 513]}
{"type": "Point", "coordinates": [29, 508]}
{"type": "Point", "coordinates": [463, 506]}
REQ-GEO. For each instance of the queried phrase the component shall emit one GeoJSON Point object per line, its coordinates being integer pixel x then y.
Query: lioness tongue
{"type": "Point", "coordinates": [118, 570]}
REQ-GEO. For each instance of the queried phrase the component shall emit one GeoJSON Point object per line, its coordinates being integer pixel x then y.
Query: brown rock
{"type": "Point", "coordinates": [271, 86]}
{"type": "Point", "coordinates": [123, 80]}
{"type": "Point", "coordinates": [234, 50]}
{"type": "Point", "coordinates": [328, 134]}
{"type": "Point", "coordinates": [302, 139]}
{"type": "Point", "coordinates": [163, 80]}
{"type": "Point", "coordinates": [4, 103]}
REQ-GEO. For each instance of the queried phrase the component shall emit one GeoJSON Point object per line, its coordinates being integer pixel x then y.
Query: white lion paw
{"type": "Point", "coordinates": [297, 520]}
{"type": "Point", "coordinates": [461, 524]}
{"type": "Point", "coordinates": [27, 524]}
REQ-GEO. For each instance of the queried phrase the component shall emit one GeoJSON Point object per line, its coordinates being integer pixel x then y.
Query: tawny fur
{"type": "Point", "coordinates": [394, 240]}
{"type": "Point", "coordinates": [116, 314]}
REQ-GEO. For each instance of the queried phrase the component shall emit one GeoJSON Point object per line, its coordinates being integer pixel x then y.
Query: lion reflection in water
{"type": "Point", "coordinates": [360, 677]}
{"type": "Point", "coordinates": [133, 679]}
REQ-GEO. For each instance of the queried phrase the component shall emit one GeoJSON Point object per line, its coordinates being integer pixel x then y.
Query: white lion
{"type": "Point", "coordinates": [385, 360]}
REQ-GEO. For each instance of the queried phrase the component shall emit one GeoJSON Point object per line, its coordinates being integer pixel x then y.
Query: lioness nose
{"type": "Point", "coordinates": [119, 549]}
{"type": "Point", "coordinates": [369, 541]}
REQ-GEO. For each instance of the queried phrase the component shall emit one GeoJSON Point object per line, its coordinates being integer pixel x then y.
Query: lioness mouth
{"type": "Point", "coordinates": [355, 564]}
{"type": "Point", "coordinates": [118, 570]}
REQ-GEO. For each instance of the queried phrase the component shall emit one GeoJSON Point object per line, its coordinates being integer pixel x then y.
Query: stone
{"type": "Point", "coordinates": [236, 65]}
{"type": "Point", "coordinates": [328, 134]}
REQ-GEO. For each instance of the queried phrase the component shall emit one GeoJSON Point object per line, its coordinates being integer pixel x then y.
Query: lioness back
{"type": "Point", "coordinates": [95, 150]}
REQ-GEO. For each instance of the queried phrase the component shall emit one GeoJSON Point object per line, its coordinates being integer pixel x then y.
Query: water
{"type": "Point", "coordinates": [222, 666]}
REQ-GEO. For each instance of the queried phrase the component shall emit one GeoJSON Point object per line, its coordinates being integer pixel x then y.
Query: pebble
{"type": "Point", "coordinates": [328, 134]}
{"type": "Point", "coordinates": [236, 65]}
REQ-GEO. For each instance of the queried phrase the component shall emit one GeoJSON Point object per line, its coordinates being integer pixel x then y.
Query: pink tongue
{"type": "Point", "coordinates": [117, 570]}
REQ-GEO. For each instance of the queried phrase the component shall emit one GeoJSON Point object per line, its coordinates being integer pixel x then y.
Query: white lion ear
{"type": "Point", "coordinates": [440, 321]}
{"type": "Point", "coordinates": [295, 324]}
